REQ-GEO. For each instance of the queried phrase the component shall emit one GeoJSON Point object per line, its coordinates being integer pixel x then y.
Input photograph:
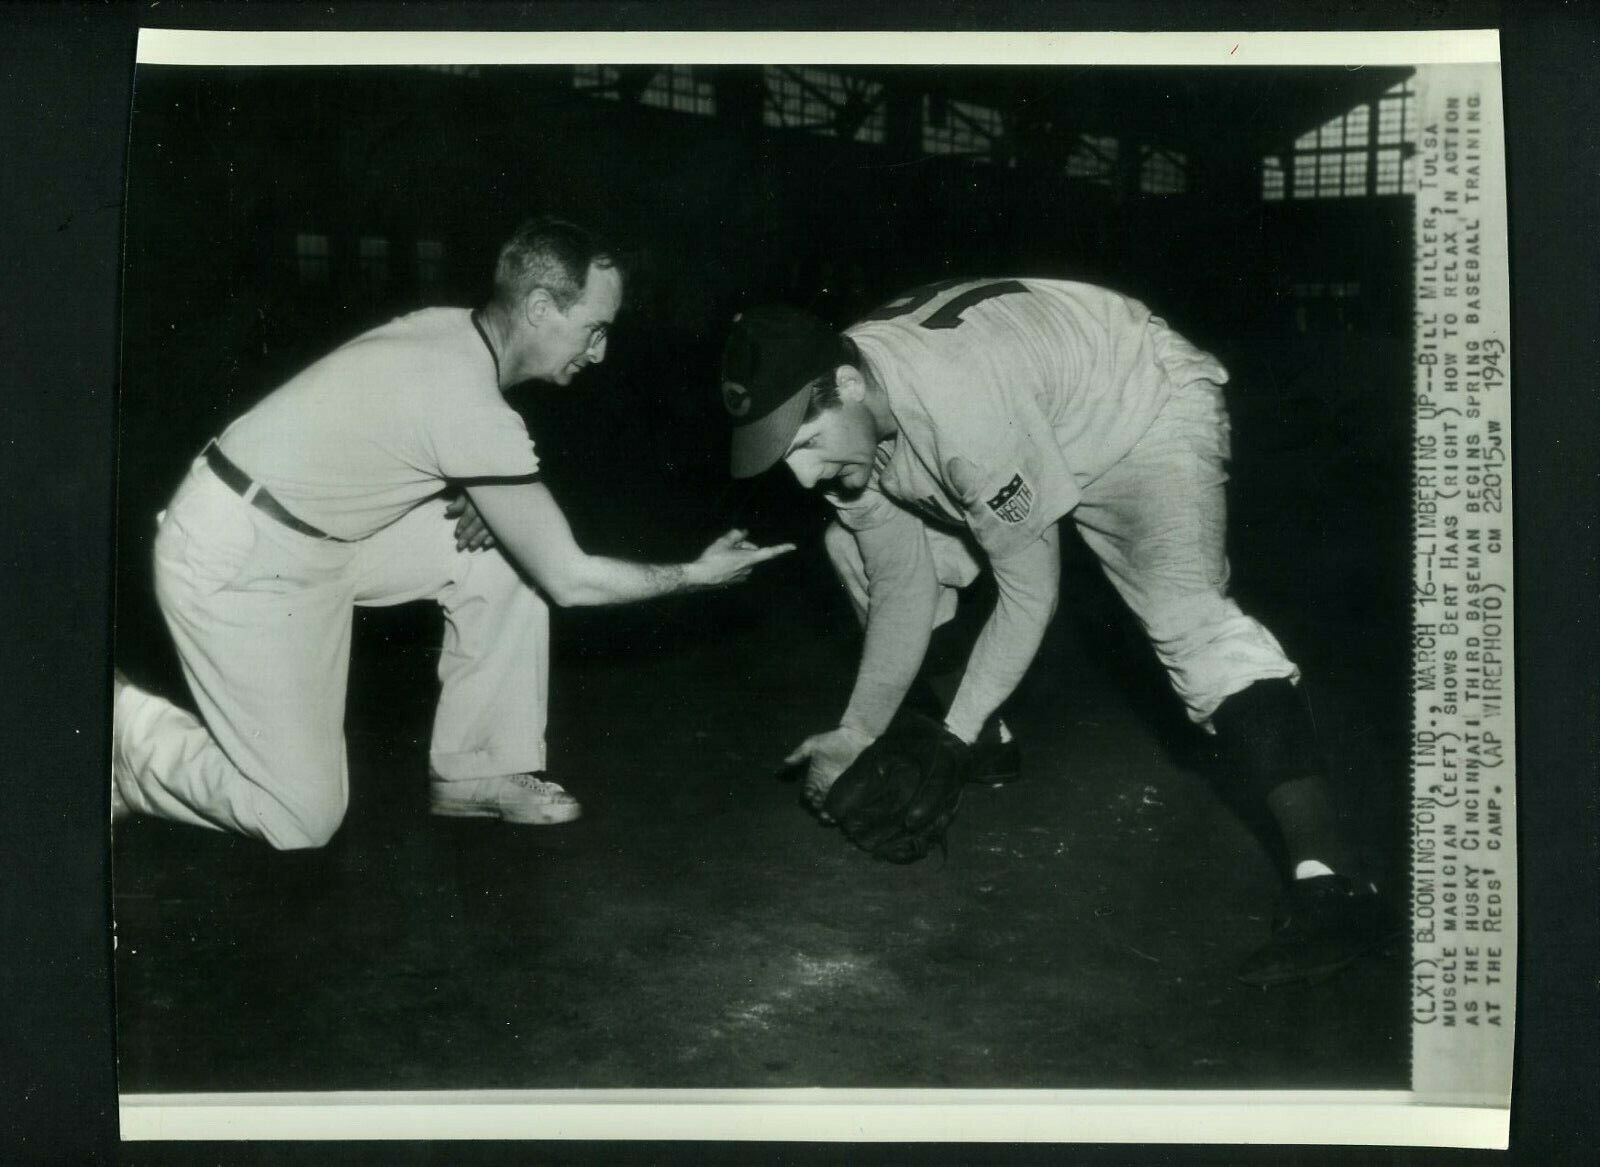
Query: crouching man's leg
{"type": "Point", "coordinates": [1157, 522]}
{"type": "Point", "coordinates": [261, 622]}
{"type": "Point", "coordinates": [996, 758]}
{"type": "Point", "coordinates": [487, 756]}
{"type": "Point", "coordinates": [1267, 740]}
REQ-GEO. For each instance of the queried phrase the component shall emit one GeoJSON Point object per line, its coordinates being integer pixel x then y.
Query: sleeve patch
{"type": "Point", "coordinates": [1014, 500]}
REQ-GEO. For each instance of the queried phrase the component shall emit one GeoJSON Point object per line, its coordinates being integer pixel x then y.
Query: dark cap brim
{"type": "Point", "coordinates": [759, 446]}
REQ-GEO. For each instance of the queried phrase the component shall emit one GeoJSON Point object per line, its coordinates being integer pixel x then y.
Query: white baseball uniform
{"type": "Point", "coordinates": [1019, 402]}
{"type": "Point", "coordinates": [361, 446]}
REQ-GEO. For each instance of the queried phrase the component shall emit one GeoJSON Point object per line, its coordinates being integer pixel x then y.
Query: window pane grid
{"type": "Point", "coordinates": [820, 99]}
{"type": "Point", "coordinates": [1272, 178]}
{"type": "Point", "coordinates": [598, 80]}
{"type": "Point", "coordinates": [1388, 176]}
{"type": "Point", "coordinates": [1305, 175]}
{"type": "Point", "coordinates": [1093, 158]}
{"type": "Point", "coordinates": [1163, 172]}
{"type": "Point", "coordinates": [1370, 143]}
{"type": "Point", "coordinates": [677, 88]}
{"type": "Point", "coordinates": [1355, 173]}
{"type": "Point", "coordinates": [867, 101]}
{"type": "Point", "coordinates": [1355, 126]}
{"type": "Point", "coordinates": [967, 128]}
{"type": "Point", "coordinates": [789, 103]}
{"type": "Point", "coordinates": [1330, 174]}
{"type": "Point", "coordinates": [1391, 120]}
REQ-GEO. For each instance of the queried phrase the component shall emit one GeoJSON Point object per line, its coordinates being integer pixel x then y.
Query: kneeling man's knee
{"type": "Point", "coordinates": [307, 824]}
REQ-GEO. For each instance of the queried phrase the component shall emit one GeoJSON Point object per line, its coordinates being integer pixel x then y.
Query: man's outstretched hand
{"type": "Point", "coordinates": [730, 559]}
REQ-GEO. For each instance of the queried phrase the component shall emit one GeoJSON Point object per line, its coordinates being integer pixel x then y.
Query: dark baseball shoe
{"type": "Point", "coordinates": [993, 762]}
{"type": "Point", "coordinates": [1327, 922]}
{"type": "Point", "coordinates": [525, 799]}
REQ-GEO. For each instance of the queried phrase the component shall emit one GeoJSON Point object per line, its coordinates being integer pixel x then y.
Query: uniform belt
{"type": "Point", "coordinates": [255, 494]}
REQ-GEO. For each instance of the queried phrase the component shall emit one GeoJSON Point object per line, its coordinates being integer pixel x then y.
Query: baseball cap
{"type": "Point", "coordinates": [772, 353]}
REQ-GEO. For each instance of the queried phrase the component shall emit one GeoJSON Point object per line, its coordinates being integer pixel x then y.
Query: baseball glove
{"type": "Point", "coordinates": [897, 799]}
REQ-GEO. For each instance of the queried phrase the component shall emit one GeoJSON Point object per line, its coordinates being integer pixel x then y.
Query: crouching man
{"type": "Point", "coordinates": [979, 414]}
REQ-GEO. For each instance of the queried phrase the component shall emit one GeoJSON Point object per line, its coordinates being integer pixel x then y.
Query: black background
{"type": "Point", "coordinates": [66, 73]}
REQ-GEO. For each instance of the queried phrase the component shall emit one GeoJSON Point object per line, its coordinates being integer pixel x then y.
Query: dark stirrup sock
{"type": "Point", "coordinates": [1267, 737]}
{"type": "Point", "coordinates": [1303, 810]}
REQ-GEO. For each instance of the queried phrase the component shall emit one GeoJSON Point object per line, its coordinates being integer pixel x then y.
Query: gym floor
{"type": "Point", "coordinates": [697, 928]}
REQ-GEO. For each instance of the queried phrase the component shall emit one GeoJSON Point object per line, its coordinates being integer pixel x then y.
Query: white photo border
{"type": "Point", "coordinates": [1478, 1118]}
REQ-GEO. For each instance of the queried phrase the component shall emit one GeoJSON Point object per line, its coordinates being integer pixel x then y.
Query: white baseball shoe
{"type": "Point", "coordinates": [525, 799]}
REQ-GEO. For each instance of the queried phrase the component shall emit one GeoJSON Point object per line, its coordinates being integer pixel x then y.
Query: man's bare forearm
{"type": "Point", "coordinates": [534, 535]}
{"type": "Point", "coordinates": [601, 580]}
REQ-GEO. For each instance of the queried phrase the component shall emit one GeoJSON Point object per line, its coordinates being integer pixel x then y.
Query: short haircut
{"type": "Point", "coordinates": [825, 389]}
{"type": "Point", "coordinates": [552, 254]}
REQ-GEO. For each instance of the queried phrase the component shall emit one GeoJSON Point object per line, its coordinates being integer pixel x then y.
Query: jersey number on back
{"type": "Point", "coordinates": [949, 314]}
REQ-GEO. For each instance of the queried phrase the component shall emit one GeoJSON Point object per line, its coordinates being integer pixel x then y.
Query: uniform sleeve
{"type": "Point", "coordinates": [871, 508]}
{"type": "Point", "coordinates": [902, 596]}
{"type": "Point", "coordinates": [1003, 463]}
{"type": "Point", "coordinates": [1028, 584]}
{"type": "Point", "coordinates": [481, 442]}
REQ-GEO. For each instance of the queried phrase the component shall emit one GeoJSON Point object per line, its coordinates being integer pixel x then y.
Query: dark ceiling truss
{"type": "Point", "coordinates": [628, 84]}
{"type": "Point", "coordinates": [1048, 113]}
{"type": "Point", "coordinates": [861, 99]}
{"type": "Point", "coordinates": [942, 110]}
{"type": "Point", "coordinates": [1095, 146]}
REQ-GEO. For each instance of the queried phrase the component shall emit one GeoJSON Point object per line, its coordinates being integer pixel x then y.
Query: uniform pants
{"type": "Point", "coordinates": [1157, 522]}
{"type": "Point", "coordinates": [261, 617]}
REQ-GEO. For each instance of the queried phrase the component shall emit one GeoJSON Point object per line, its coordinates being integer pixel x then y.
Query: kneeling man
{"type": "Point", "coordinates": [336, 490]}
